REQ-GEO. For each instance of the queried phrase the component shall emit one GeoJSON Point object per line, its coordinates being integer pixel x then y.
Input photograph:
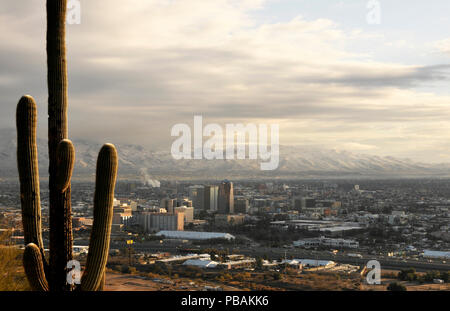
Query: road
{"type": "Point", "coordinates": [277, 253]}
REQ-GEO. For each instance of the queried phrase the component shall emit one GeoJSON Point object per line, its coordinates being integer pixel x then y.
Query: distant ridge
{"type": "Point", "coordinates": [295, 162]}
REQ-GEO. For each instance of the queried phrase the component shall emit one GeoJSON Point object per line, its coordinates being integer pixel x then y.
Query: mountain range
{"type": "Point", "coordinates": [296, 162]}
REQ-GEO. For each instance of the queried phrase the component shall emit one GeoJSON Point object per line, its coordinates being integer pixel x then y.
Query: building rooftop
{"type": "Point", "coordinates": [194, 235]}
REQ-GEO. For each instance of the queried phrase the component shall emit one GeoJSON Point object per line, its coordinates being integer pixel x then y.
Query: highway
{"type": "Point", "coordinates": [389, 263]}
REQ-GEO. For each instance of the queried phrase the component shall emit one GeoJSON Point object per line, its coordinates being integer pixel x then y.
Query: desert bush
{"type": "Point", "coordinates": [396, 287]}
{"type": "Point", "coordinates": [132, 270]}
{"type": "Point", "coordinates": [12, 275]}
{"type": "Point", "coordinates": [224, 277]}
{"type": "Point", "coordinates": [276, 276]}
{"type": "Point", "coordinates": [408, 275]}
{"type": "Point", "coordinates": [125, 269]}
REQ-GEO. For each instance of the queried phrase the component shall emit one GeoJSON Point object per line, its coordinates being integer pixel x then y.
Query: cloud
{"type": "Point", "coordinates": [356, 147]}
{"type": "Point", "coordinates": [443, 46]}
{"type": "Point", "coordinates": [136, 68]}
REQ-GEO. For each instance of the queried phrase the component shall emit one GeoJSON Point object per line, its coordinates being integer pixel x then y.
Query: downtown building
{"type": "Point", "coordinates": [197, 196]}
{"type": "Point", "coordinates": [226, 198]}
{"type": "Point", "coordinates": [168, 204]}
{"type": "Point", "coordinates": [150, 222]}
{"type": "Point", "coordinates": [241, 206]}
{"type": "Point", "coordinates": [211, 199]}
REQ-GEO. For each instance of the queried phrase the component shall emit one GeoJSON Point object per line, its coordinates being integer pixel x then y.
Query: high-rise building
{"type": "Point", "coordinates": [168, 204]}
{"type": "Point", "coordinates": [188, 213]}
{"type": "Point", "coordinates": [197, 195]}
{"type": "Point", "coordinates": [211, 198]}
{"type": "Point", "coordinates": [241, 205]}
{"type": "Point", "coordinates": [226, 198]}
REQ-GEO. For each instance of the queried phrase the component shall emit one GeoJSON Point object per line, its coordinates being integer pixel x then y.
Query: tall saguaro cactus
{"type": "Point", "coordinates": [51, 275]}
{"type": "Point", "coordinates": [60, 205]}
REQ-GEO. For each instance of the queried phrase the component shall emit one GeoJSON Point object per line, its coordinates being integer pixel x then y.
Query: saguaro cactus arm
{"type": "Point", "coordinates": [66, 161]}
{"type": "Point", "coordinates": [27, 162]}
{"type": "Point", "coordinates": [103, 212]}
{"type": "Point", "coordinates": [34, 267]}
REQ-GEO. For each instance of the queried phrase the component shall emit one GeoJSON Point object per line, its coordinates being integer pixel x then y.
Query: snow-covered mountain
{"type": "Point", "coordinates": [137, 162]}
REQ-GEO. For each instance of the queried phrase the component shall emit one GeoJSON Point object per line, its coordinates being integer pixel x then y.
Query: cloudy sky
{"type": "Point", "coordinates": [317, 68]}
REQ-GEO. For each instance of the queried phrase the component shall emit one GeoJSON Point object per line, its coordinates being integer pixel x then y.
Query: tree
{"type": "Point", "coordinates": [396, 287]}
{"type": "Point", "coordinates": [276, 276]}
{"type": "Point", "coordinates": [259, 263]}
{"type": "Point", "coordinates": [431, 275]}
{"type": "Point", "coordinates": [407, 275]}
{"type": "Point", "coordinates": [445, 276]}
{"type": "Point", "coordinates": [213, 255]}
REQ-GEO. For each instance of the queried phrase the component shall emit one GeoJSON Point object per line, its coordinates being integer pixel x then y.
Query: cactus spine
{"type": "Point", "coordinates": [52, 276]}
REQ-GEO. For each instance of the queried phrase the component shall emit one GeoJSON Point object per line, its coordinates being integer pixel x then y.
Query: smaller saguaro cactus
{"type": "Point", "coordinates": [36, 267]}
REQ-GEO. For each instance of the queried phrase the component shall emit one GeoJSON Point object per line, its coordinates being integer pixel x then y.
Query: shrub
{"type": "Point", "coordinates": [224, 277]}
{"type": "Point", "coordinates": [431, 275]}
{"type": "Point", "coordinates": [396, 287]}
{"type": "Point", "coordinates": [125, 269]}
{"type": "Point", "coordinates": [132, 270]}
{"type": "Point", "coordinates": [11, 271]}
{"type": "Point", "coordinates": [445, 276]}
{"type": "Point", "coordinates": [407, 275]}
{"type": "Point", "coordinates": [276, 276]}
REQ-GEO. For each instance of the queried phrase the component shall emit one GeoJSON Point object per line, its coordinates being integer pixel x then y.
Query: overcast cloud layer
{"type": "Point", "coordinates": [138, 67]}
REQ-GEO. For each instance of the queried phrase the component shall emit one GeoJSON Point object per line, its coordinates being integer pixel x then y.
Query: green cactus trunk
{"type": "Point", "coordinates": [27, 162]}
{"type": "Point", "coordinates": [33, 263]}
{"type": "Point", "coordinates": [52, 276]}
{"type": "Point", "coordinates": [103, 215]}
{"type": "Point", "coordinates": [60, 204]}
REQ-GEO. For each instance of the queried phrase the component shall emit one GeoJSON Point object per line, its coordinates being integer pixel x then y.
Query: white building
{"type": "Point", "coordinates": [193, 235]}
{"type": "Point", "coordinates": [310, 263]}
{"type": "Point", "coordinates": [201, 263]}
{"type": "Point", "coordinates": [436, 254]}
{"type": "Point", "coordinates": [160, 221]}
{"type": "Point", "coordinates": [329, 242]}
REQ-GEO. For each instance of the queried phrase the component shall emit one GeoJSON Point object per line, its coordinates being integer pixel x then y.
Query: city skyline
{"type": "Point", "coordinates": [352, 193]}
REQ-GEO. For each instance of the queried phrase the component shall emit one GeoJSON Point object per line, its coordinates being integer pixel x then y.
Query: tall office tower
{"type": "Point", "coordinates": [241, 205]}
{"type": "Point", "coordinates": [211, 198]}
{"type": "Point", "coordinates": [168, 204]}
{"type": "Point", "coordinates": [226, 198]}
{"type": "Point", "coordinates": [197, 195]}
